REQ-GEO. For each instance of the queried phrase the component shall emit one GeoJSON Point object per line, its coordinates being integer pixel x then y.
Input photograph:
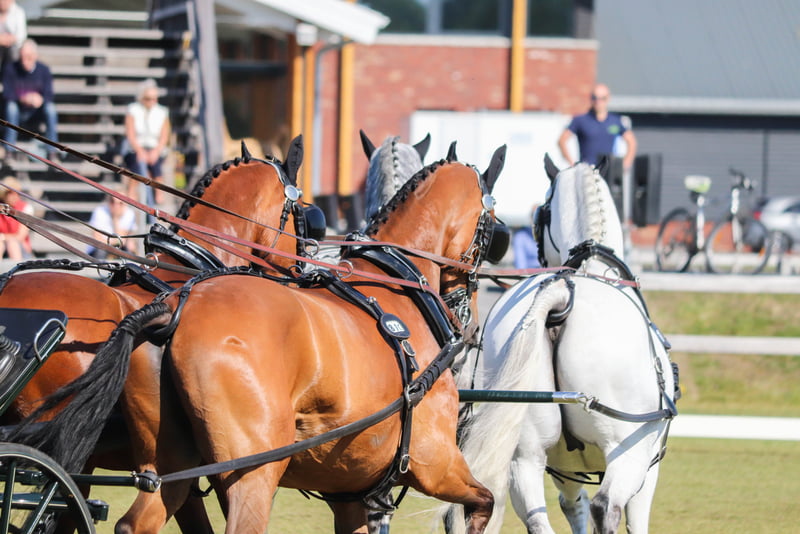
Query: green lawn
{"type": "Point", "coordinates": [705, 487]}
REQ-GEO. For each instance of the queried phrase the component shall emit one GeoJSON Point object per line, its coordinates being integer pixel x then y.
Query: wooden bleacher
{"type": "Point", "coordinates": [97, 71]}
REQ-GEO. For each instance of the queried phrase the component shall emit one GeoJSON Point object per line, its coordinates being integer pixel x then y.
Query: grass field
{"type": "Point", "coordinates": [706, 486]}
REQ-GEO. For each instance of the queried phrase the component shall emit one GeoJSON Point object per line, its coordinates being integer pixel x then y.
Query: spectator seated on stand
{"type": "Point", "coordinates": [116, 218]}
{"type": "Point", "coordinates": [147, 131]}
{"type": "Point", "coordinates": [28, 94]}
{"type": "Point", "coordinates": [15, 239]}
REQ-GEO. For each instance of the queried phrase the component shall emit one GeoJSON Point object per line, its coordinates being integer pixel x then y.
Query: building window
{"type": "Point", "coordinates": [552, 18]}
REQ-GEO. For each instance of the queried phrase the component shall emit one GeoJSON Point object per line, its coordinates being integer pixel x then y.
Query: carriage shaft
{"type": "Point", "coordinates": [559, 397]}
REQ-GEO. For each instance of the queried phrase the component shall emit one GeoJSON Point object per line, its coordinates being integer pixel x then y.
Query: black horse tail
{"type": "Point", "coordinates": [71, 436]}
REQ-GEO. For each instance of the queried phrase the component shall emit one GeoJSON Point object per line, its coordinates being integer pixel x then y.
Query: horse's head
{"type": "Point", "coordinates": [259, 201]}
{"type": "Point", "coordinates": [578, 208]}
{"type": "Point", "coordinates": [447, 209]}
{"type": "Point", "coordinates": [390, 166]}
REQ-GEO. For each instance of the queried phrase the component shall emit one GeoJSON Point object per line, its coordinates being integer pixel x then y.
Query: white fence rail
{"type": "Point", "coordinates": [776, 346]}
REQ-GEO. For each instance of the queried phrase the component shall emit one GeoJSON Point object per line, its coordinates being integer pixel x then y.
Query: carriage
{"type": "Point", "coordinates": [36, 489]}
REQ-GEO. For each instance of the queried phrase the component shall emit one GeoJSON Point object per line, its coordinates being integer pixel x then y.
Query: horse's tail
{"type": "Point", "coordinates": [71, 436]}
{"type": "Point", "coordinates": [491, 435]}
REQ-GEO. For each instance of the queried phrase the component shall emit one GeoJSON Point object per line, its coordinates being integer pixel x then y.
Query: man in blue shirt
{"type": "Point", "coordinates": [28, 92]}
{"type": "Point", "coordinates": [596, 131]}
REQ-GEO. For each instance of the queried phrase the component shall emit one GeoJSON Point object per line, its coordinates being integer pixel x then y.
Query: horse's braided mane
{"type": "Point", "coordinates": [595, 216]}
{"type": "Point", "coordinates": [380, 217]}
{"type": "Point", "coordinates": [204, 181]}
{"type": "Point", "coordinates": [390, 166]}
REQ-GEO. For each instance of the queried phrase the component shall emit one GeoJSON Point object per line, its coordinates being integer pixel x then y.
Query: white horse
{"type": "Point", "coordinates": [575, 331]}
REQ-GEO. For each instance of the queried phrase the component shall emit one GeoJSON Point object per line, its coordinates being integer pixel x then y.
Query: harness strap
{"type": "Point", "coordinates": [143, 278]}
{"type": "Point", "coordinates": [591, 248]}
{"type": "Point", "coordinates": [391, 261]}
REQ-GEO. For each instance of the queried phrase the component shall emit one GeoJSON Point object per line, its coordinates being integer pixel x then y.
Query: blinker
{"type": "Point", "coordinates": [498, 243]}
{"type": "Point", "coordinates": [315, 223]}
{"type": "Point", "coordinates": [541, 218]}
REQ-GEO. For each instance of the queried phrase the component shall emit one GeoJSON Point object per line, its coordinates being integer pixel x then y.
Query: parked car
{"type": "Point", "coordinates": [781, 214]}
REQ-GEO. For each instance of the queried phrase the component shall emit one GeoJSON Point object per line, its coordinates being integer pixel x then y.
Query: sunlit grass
{"type": "Point", "coordinates": [706, 486]}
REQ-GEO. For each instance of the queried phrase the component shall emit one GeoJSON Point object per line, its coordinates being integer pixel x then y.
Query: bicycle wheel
{"type": "Point", "coordinates": [675, 243]}
{"type": "Point", "coordinates": [36, 492]}
{"type": "Point", "coordinates": [738, 246]}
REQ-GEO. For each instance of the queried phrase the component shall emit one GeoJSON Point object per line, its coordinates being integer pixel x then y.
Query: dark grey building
{"type": "Point", "coordinates": [708, 85]}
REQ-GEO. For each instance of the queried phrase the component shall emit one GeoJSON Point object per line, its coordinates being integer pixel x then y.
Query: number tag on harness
{"type": "Point", "coordinates": [394, 327]}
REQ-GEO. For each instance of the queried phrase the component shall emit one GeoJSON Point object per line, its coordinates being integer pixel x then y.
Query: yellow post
{"type": "Point", "coordinates": [518, 30]}
{"type": "Point", "coordinates": [296, 94]}
{"type": "Point", "coordinates": [308, 124]}
{"type": "Point", "coordinates": [345, 168]}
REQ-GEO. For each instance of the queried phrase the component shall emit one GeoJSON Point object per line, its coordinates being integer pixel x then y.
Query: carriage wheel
{"type": "Point", "coordinates": [36, 492]}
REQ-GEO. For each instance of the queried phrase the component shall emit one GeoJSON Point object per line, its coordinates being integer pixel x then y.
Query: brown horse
{"type": "Point", "coordinates": [261, 192]}
{"type": "Point", "coordinates": [261, 365]}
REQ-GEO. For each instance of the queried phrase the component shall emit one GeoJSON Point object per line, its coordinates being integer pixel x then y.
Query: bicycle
{"type": "Point", "coordinates": [736, 244]}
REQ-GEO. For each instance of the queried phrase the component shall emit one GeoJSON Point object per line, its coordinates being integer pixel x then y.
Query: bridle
{"type": "Point", "coordinates": [541, 224]}
{"type": "Point", "coordinates": [489, 241]}
{"type": "Point", "coordinates": [309, 220]}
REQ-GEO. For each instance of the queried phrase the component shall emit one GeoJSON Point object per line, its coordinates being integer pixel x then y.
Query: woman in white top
{"type": "Point", "coordinates": [147, 132]}
{"type": "Point", "coordinates": [13, 30]}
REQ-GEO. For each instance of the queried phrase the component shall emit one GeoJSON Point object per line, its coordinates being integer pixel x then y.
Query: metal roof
{"type": "Point", "coordinates": [334, 17]}
{"type": "Point", "coordinates": [700, 56]}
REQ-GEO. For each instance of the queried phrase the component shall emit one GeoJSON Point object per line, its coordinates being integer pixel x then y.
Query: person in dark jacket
{"type": "Point", "coordinates": [28, 92]}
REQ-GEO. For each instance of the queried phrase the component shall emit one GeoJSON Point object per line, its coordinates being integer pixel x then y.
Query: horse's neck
{"type": "Point", "coordinates": [239, 227]}
{"type": "Point", "coordinates": [591, 216]}
{"type": "Point", "coordinates": [227, 258]}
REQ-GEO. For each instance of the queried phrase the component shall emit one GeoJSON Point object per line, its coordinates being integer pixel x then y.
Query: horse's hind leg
{"type": "Point", "coordinates": [349, 517]}
{"type": "Point", "coordinates": [574, 501]}
{"type": "Point", "coordinates": [637, 511]}
{"type": "Point", "coordinates": [625, 476]}
{"type": "Point", "coordinates": [452, 482]}
{"type": "Point", "coordinates": [526, 488]}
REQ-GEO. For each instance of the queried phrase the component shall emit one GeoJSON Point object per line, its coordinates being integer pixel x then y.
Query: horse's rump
{"type": "Point", "coordinates": [304, 361]}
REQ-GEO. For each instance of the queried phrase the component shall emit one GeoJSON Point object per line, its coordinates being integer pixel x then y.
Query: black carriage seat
{"type": "Point", "coordinates": [27, 338]}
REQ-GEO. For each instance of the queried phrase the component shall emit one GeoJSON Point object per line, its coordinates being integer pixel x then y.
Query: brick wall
{"type": "Point", "coordinates": [401, 74]}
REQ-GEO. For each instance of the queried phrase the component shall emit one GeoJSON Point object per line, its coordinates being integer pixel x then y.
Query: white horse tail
{"type": "Point", "coordinates": [492, 433]}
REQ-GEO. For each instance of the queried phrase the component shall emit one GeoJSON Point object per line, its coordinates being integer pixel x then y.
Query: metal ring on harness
{"type": "Point", "coordinates": [349, 269]}
{"type": "Point", "coordinates": [311, 246]}
{"type": "Point", "coordinates": [119, 241]}
{"type": "Point", "coordinates": [154, 258]}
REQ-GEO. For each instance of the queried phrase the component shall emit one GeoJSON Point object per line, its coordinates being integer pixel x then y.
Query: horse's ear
{"type": "Point", "coordinates": [603, 166]}
{"type": "Point", "coordinates": [550, 167]}
{"type": "Point", "coordinates": [294, 158]}
{"type": "Point", "coordinates": [369, 148]}
{"type": "Point", "coordinates": [246, 156]}
{"type": "Point", "coordinates": [495, 166]}
{"type": "Point", "coordinates": [423, 146]}
{"type": "Point", "coordinates": [451, 152]}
